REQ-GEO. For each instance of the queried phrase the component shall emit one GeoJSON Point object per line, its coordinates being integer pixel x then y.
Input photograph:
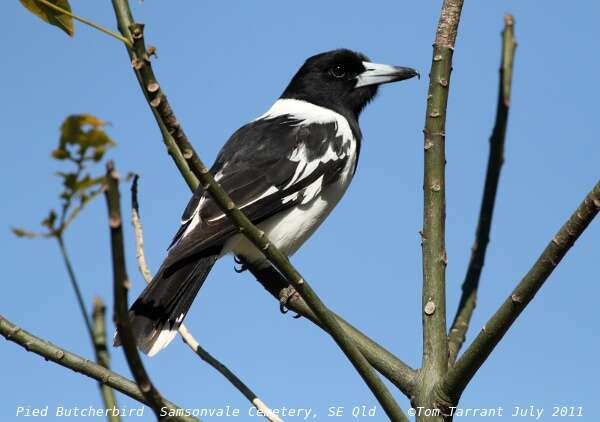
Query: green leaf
{"type": "Point", "coordinates": [87, 182]}
{"type": "Point", "coordinates": [25, 233]}
{"type": "Point", "coordinates": [50, 220]}
{"type": "Point", "coordinates": [69, 180]}
{"type": "Point", "coordinates": [50, 15]}
{"type": "Point", "coordinates": [85, 131]}
{"type": "Point", "coordinates": [60, 154]}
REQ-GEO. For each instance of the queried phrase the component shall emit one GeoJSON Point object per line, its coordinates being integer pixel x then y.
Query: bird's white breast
{"type": "Point", "coordinates": [289, 229]}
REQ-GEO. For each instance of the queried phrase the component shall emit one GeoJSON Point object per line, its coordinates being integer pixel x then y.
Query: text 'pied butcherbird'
{"type": "Point", "coordinates": [286, 171]}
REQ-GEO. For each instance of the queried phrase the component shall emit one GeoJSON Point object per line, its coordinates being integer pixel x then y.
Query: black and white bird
{"type": "Point", "coordinates": [286, 170]}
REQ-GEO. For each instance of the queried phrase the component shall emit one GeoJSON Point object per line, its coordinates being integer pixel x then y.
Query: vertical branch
{"type": "Point", "coordinates": [435, 345]}
{"type": "Point", "coordinates": [187, 337]}
{"type": "Point", "coordinates": [95, 331]}
{"type": "Point", "coordinates": [470, 285]}
{"type": "Point", "coordinates": [121, 287]}
{"type": "Point", "coordinates": [102, 356]}
{"type": "Point", "coordinates": [140, 256]}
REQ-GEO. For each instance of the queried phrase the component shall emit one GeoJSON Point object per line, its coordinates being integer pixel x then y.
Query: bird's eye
{"type": "Point", "coordinates": [338, 71]}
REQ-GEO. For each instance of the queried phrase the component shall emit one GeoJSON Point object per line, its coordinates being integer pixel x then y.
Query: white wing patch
{"type": "Point", "coordinates": [305, 113]}
{"type": "Point", "coordinates": [312, 190]}
{"type": "Point", "coordinates": [308, 113]}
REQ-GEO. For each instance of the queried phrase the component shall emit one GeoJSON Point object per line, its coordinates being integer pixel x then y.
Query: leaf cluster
{"type": "Point", "coordinates": [82, 143]}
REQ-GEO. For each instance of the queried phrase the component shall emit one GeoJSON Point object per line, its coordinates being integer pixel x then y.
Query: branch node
{"type": "Point", "coordinates": [137, 30]}
{"type": "Point", "coordinates": [145, 387]}
{"type": "Point", "coordinates": [429, 308]}
{"type": "Point", "coordinates": [156, 101]}
{"type": "Point", "coordinates": [115, 222]}
{"type": "Point", "coordinates": [153, 87]}
{"type": "Point", "coordinates": [188, 153]}
{"type": "Point", "coordinates": [136, 63]}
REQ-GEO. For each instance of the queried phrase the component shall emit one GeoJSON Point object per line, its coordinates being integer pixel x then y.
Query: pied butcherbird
{"type": "Point", "coordinates": [286, 170]}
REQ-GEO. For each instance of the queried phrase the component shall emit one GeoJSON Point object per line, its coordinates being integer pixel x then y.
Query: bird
{"type": "Point", "coordinates": [286, 170]}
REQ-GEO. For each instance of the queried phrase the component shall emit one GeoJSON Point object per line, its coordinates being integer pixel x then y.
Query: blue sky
{"type": "Point", "coordinates": [224, 63]}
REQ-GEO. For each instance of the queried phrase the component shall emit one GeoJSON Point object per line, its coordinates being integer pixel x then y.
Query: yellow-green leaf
{"type": "Point", "coordinates": [25, 233]}
{"type": "Point", "coordinates": [50, 15]}
{"type": "Point", "coordinates": [60, 154]}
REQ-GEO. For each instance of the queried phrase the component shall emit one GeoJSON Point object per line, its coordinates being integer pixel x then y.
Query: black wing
{"type": "Point", "coordinates": [266, 167]}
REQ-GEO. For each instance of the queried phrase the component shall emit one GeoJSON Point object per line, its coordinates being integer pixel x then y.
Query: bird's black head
{"type": "Point", "coordinates": [342, 80]}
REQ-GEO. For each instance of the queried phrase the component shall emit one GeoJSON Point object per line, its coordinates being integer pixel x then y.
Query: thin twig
{"type": "Point", "coordinates": [102, 356]}
{"type": "Point", "coordinates": [75, 285]}
{"type": "Point", "coordinates": [86, 22]}
{"type": "Point", "coordinates": [75, 362]}
{"type": "Point", "coordinates": [187, 337]}
{"type": "Point", "coordinates": [140, 256]}
{"type": "Point", "coordinates": [480, 349]}
{"type": "Point", "coordinates": [468, 300]}
{"type": "Point", "coordinates": [159, 101]}
{"type": "Point", "coordinates": [435, 344]}
{"type": "Point", "coordinates": [121, 287]}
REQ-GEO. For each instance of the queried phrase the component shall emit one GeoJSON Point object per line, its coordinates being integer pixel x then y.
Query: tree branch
{"type": "Point", "coordinates": [102, 356]}
{"type": "Point", "coordinates": [72, 361]}
{"type": "Point", "coordinates": [388, 365]}
{"type": "Point", "coordinates": [470, 285]}
{"type": "Point", "coordinates": [435, 345]}
{"type": "Point", "coordinates": [75, 285]}
{"type": "Point", "coordinates": [186, 336]}
{"type": "Point", "coordinates": [121, 287]}
{"type": "Point", "coordinates": [96, 330]}
{"type": "Point", "coordinates": [159, 101]}
{"type": "Point", "coordinates": [85, 21]}
{"type": "Point", "coordinates": [457, 378]}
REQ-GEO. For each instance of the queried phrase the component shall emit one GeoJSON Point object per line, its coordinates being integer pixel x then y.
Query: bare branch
{"type": "Point", "coordinates": [435, 344]}
{"type": "Point", "coordinates": [476, 354]}
{"type": "Point", "coordinates": [187, 337]}
{"type": "Point", "coordinates": [102, 356]}
{"type": "Point", "coordinates": [158, 101]}
{"type": "Point", "coordinates": [75, 285]}
{"type": "Point", "coordinates": [121, 287]}
{"type": "Point", "coordinates": [468, 298]}
{"type": "Point", "coordinates": [388, 365]}
{"type": "Point", "coordinates": [72, 361]}
{"type": "Point", "coordinates": [140, 256]}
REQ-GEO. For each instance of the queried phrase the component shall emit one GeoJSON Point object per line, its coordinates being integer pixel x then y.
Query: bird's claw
{"type": "Point", "coordinates": [284, 298]}
{"type": "Point", "coordinates": [242, 266]}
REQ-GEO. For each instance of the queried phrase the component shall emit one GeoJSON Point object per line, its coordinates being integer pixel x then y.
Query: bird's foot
{"type": "Point", "coordinates": [242, 266]}
{"type": "Point", "coordinates": [284, 297]}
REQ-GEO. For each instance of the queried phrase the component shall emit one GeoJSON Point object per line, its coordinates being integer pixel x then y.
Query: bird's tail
{"type": "Point", "coordinates": [160, 309]}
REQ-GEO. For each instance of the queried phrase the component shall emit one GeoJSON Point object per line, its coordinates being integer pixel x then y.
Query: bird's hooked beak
{"type": "Point", "coordinates": [377, 74]}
